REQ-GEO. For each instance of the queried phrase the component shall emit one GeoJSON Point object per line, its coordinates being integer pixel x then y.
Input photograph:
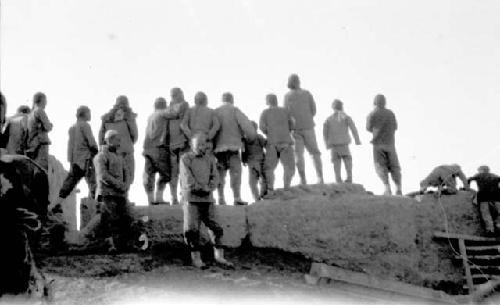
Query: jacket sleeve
{"type": "Point", "coordinates": [369, 122]}
{"type": "Point", "coordinates": [263, 123]}
{"type": "Point", "coordinates": [102, 131]}
{"type": "Point", "coordinates": [312, 104]}
{"type": "Point", "coordinates": [395, 122]}
{"type": "Point", "coordinates": [353, 129]}
{"type": "Point", "coordinates": [127, 175]}
{"type": "Point", "coordinates": [215, 127]}
{"type": "Point", "coordinates": [185, 124]}
{"type": "Point", "coordinates": [246, 126]}
{"type": "Point", "coordinates": [89, 137]}
{"type": "Point", "coordinates": [44, 120]}
{"type": "Point", "coordinates": [132, 128]}
{"type": "Point", "coordinates": [214, 175]}
{"type": "Point", "coordinates": [187, 179]}
{"type": "Point", "coordinates": [103, 175]}
{"type": "Point", "coordinates": [325, 132]}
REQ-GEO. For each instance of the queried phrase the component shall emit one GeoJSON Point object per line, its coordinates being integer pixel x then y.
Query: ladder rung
{"type": "Point", "coordinates": [483, 248]}
{"type": "Point", "coordinates": [480, 257]}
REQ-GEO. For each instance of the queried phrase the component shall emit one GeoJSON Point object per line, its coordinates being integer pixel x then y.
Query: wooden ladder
{"type": "Point", "coordinates": [480, 257]}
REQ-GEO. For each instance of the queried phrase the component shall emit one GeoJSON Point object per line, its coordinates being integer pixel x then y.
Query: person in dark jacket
{"type": "Point", "coordinates": [113, 181]}
{"type": "Point", "coordinates": [39, 127]}
{"type": "Point", "coordinates": [156, 152]}
{"type": "Point", "coordinates": [82, 148]}
{"type": "Point", "coordinates": [234, 126]}
{"type": "Point", "coordinates": [253, 156]}
{"type": "Point", "coordinates": [122, 119]}
{"type": "Point", "coordinates": [302, 108]}
{"type": "Point", "coordinates": [488, 198]}
{"type": "Point", "coordinates": [199, 178]}
{"type": "Point", "coordinates": [381, 122]}
{"type": "Point", "coordinates": [277, 124]}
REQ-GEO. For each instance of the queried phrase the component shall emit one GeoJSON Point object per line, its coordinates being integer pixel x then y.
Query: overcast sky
{"type": "Point", "coordinates": [437, 62]}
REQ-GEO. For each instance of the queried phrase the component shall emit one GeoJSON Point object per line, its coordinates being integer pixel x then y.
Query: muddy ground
{"type": "Point", "coordinates": [163, 276]}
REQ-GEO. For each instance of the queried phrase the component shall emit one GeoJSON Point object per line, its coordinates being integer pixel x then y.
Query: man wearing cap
{"type": "Point", "coordinates": [381, 122]}
{"type": "Point", "coordinates": [228, 142]}
{"type": "Point", "coordinates": [337, 139]}
{"type": "Point", "coordinates": [302, 108]}
{"type": "Point", "coordinates": [488, 198]}
{"type": "Point", "coordinates": [112, 186]}
{"type": "Point", "coordinates": [82, 148]}
{"type": "Point", "coordinates": [277, 124]}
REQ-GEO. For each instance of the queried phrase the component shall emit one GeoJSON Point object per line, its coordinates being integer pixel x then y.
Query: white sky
{"type": "Point", "coordinates": [437, 62]}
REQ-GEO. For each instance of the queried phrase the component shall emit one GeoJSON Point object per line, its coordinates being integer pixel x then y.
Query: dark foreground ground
{"type": "Point", "coordinates": [163, 277]}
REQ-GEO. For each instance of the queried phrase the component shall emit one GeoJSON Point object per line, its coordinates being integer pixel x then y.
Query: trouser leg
{"type": "Point", "coordinates": [286, 158]}
{"type": "Point", "coordinates": [312, 147]}
{"type": "Point", "coordinates": [149, 178]}
{"type": "Point", "coordinates": [90, 179]}
{"type": "Point", "coordinates": [220, 187]}
{"type": "Point", "coordinates": [42, 156]}
{"type": "Point", "coordinates": [348, 168]}
{"type": "Point", "coordinates": [484, 208]}
{"type": "Point", "coordinates": [270, 162]}
{"type": "Point", "coordinates": [337, 167]}
{"type": "Point", "coordinates": [253, 180]}
{"type": "Point", "coordinates": [235, 175]}
{"type": "Point", "coordinates": [174, 163]}
{"type": "Point", "coordinates": [74, 176]}
{"type": "Point", "coordinates": [299, 157]}
{"type": "Point", "coordinates": [215, 231]}
{"type": "Point", "coordinates": [382, 167]}
{"type": "Point", "coordinates": [192, 226]}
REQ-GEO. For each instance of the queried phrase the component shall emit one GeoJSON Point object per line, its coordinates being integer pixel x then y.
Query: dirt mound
{"type": "Point", "coordinates": [385, 236]}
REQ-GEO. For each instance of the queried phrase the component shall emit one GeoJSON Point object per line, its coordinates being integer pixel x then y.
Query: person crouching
{"type": "Point", "coordinates": [199, 178]}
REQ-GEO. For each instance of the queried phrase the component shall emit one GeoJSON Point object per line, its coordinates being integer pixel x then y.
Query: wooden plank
{"type": "Point", "coordinates": [361, 279]}
{"type": "Point", "coordinates": [444, 235]}
{"type": "Point", "coordinates": [468, 277]}
{"type": "Point", "coordinates": [480, 257]}
{"type": "Point", "coordinates": [483, 248]}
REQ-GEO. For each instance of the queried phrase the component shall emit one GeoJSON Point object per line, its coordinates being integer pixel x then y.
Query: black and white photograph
{"type": "Point", "coordinates": [249, 152]}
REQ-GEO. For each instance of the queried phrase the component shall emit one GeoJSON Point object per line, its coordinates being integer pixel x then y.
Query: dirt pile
{"type": "Point", "coordinates": [385, 236]}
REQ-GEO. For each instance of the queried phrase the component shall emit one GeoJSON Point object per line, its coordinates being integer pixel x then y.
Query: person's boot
{"type": "Point", "coordinates": [302, 175]}
{"type": "Point", "coordinates": [196, 260]}
{"type": "Point", "coordinates": [151, 198]}
{"type": "Point", "coordinates": [219, 258]}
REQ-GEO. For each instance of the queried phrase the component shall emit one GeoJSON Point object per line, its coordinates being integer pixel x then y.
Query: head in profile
{"type": "Point", "coordinates": [293, 82]}
{"type": "Point", "coordinates": [199, 144]}
{"type": "Point", "coordinates": [483, 169]}
{"type": "Point", "coordinates": [40, 100]}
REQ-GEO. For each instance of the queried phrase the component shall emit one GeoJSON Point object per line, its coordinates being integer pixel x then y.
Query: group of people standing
{"type": "Point", "coordinates": [197, 146]}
